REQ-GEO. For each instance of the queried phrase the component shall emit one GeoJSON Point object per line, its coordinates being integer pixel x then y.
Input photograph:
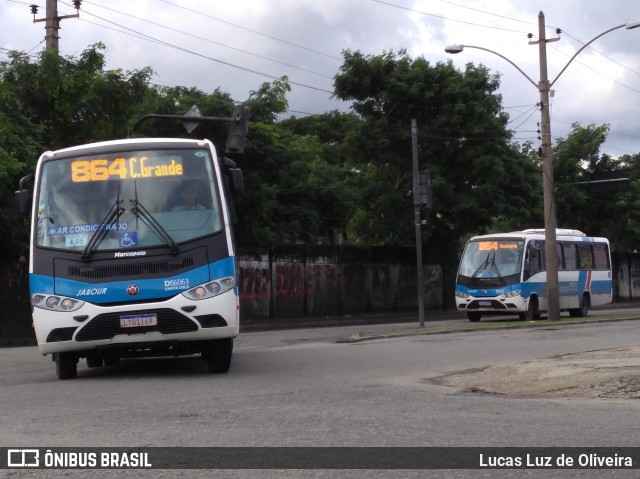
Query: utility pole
{"type": "Point", "coordinates": [551, 253]}
{"type": "Point", "coordinates": [422, 198]}
{"type": "Point", "coordinates": [52, 25]}
{"type": "Point", "coordinates": [417, 221]}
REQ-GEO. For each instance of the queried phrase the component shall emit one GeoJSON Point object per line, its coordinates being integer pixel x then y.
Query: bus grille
{"type": "Point", "coordinates": [107, 325]}
{"type": "Point", "coordinates": [130, 270]}
{"type": "Point", "coordinates": [482, 303]}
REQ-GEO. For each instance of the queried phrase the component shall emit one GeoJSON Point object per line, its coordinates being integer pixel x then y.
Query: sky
{"type": "Point", "coordinates": [237, 45]}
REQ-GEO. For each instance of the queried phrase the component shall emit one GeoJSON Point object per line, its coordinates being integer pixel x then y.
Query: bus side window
{"type": "Point", "coordinates": [570, 256]}
{"type": "Point", "coordinates": [601, 256]}
{"type": "Point", "coordinates": [586, 256]}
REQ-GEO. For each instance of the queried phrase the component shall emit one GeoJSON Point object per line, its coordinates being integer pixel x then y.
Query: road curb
{"type": "Point", "coordinates": [356, 338]}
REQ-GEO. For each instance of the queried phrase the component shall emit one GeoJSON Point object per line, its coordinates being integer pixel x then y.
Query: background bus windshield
{"type": "Point", "coordinates": [176, 187]}
{"type": "Point", "coordinates": [491, 259]}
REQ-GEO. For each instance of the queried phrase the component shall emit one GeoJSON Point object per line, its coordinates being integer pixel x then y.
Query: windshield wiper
{"type": "Point", "coordinates": [141, 212]}
{"type": "Point", "coordinates": [484, 264]}
{"type": "Point", "coordinates": [112, 215]}
{"type": "Point", "coordinates": [495, 266]}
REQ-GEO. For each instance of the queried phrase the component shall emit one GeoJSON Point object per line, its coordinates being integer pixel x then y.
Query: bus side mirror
{"type": "Point", "coordinates": [23, 202]}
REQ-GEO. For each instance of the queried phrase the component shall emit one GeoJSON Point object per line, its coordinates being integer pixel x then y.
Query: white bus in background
{"type": "Point", "coordinates": [504, 273]}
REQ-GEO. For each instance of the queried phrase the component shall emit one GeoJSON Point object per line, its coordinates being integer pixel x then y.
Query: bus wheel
{"type": "Point", "coordinates": [531, 312]}
{"type": "Point", "coordinates": [66, 365]}
{"type": "Point", "coordinates": [474, 317]}
{"type": "Point", "coordinates": [583, 310]}
{"type": "Point", "coordinates": [218, 356]}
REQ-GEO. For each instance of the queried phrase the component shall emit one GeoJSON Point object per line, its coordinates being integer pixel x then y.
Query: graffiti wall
{"type": "Point", "coordinates": [626, 280]}
{"type": "Point", "coordinates": [320, 281]}
{"type": "Point", "coordinates": [314, 282]}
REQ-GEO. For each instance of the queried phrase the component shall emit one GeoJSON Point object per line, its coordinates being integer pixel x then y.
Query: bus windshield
{"type": "Point", "coordinates": [491, 259]}
{"type": "Point", "coordinates": [127, 199]}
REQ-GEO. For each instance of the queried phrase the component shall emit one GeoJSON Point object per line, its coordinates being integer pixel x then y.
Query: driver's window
{"type": "Point", "coordinates": [533, 261]}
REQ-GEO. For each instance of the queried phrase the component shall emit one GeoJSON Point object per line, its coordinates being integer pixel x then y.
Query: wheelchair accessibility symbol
{"type": "Point", "coordinates": [128, 239]}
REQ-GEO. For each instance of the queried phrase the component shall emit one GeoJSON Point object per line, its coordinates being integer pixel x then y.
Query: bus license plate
{"type": "Point", "coordinates": [484, 304]}
{"type": "Point", "coordinates": [138, 320]}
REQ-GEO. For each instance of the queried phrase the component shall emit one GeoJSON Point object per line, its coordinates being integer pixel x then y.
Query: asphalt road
{"type": "Point", "coordinates": [310, 388]}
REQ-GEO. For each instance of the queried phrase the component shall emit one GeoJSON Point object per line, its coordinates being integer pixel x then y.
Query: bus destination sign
{"type": "Point", "coordinates": [496, 245]}
{"type": "Point", "coordinates": [124, 168]}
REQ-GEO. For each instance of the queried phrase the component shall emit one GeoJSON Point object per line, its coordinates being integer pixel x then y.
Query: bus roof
{"type": "Point", "coordinates": [129, 141]}
{"type": "Point", "coordinates": [537, 233]}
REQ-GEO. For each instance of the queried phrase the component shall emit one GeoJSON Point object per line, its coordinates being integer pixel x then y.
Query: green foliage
{"type": "Point", "coordinates": [53, 103]}
{"type": "Point", "coordinates": [72, 99]}
{"type": "Point", "coordinates": [292, 195]}
{"type": "Point", "coordinates": [612, 214]}
{"type": "Point", "coordinates": [18, 152]}
{"type": "Point", "coordinates": [178, 101]}
{"type": "Point", "coordinates": [269, 101]}
{"type": "Point", "coordinates": [336, 177]}
{"type": "Point", "coordinates": [478, 176]}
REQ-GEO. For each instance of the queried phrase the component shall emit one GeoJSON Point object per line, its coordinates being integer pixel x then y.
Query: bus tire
{"type": "Point", "coordinates": [531, 312]}
{"type": "Point", "coordinates": [583, 310]}
{"type": "Point", "coordinates": [218, 356]}
{"type": "Point", "coordinates": [66, 365]}
{"type": "Point", "coordinates": [474, 317]}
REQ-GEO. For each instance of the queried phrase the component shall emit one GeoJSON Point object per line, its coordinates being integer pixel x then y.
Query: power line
{"type": "Point", "coordinates": [596, 71]}
{"type": "Point", "coordinates": [531, 110]}
{"type": "Point", "coordinates": [519, 106]}
{"type": "Point", "coordinates": [601, 54]}
{"type": "Point", "coordinates": [444, 18]}
{"type": "Point", "coordinates": [491, 13]}
{"type": "Point", "coordinates": [144, 36]}
{"type": "Point", "coordinates": [254, 31]}
{"type": "Point", "coordinates": [208, 40]}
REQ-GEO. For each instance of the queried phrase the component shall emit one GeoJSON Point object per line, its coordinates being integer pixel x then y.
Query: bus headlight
{"type": "Point", "coordinates": [210, 289]}
{"type": "Point", "coordinates": [55, 303]}
{"type": "Point", "coordinates": [512, 294]}
{"type": "Point", "coordinates": [462, 295]}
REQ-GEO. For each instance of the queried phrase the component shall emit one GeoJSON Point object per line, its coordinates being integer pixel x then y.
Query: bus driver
{"type": "Point", "coordinates": [189, 195]}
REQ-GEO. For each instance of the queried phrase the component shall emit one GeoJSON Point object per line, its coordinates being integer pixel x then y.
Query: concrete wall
{"type": "Point", "coordinates": [626, 277]}
{"type": "Point", "coordinates": [15, 320]}
{"type": "Point", "coordinates": [320, 281]}
{"type": "Point", "coordinates": [314, 282]}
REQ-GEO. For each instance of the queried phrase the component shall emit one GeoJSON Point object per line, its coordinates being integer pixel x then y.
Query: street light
{"type": "Point", "coordinates": [544, 86]}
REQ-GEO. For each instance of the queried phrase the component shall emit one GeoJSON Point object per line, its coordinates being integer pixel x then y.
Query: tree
{"type": "Point", "coordinates": [178, 101]}
{"type": "Point", "coordinates": [477, 175]}
{"type": "Point", "coordinates": [293, 193]}
{"type": "Point", "coordinates": [53, 103]}
{"type": "Point", "coordinates": [598, 213]}
{"type": "Point", "coordinates": [331, 131]}
{"type": "Point", "coordinates": [18, 150]}
{"type": "Point", "coordinates": [73, 99]}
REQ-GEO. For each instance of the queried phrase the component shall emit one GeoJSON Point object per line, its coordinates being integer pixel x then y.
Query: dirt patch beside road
{"type": "Point", "coordinates": [607, 373]}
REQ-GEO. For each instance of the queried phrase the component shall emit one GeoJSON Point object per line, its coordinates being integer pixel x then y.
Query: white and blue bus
{"type": "Point", "coordinates": [119, 266]}
{"type": "Point", "coordinates": [504, 273]}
